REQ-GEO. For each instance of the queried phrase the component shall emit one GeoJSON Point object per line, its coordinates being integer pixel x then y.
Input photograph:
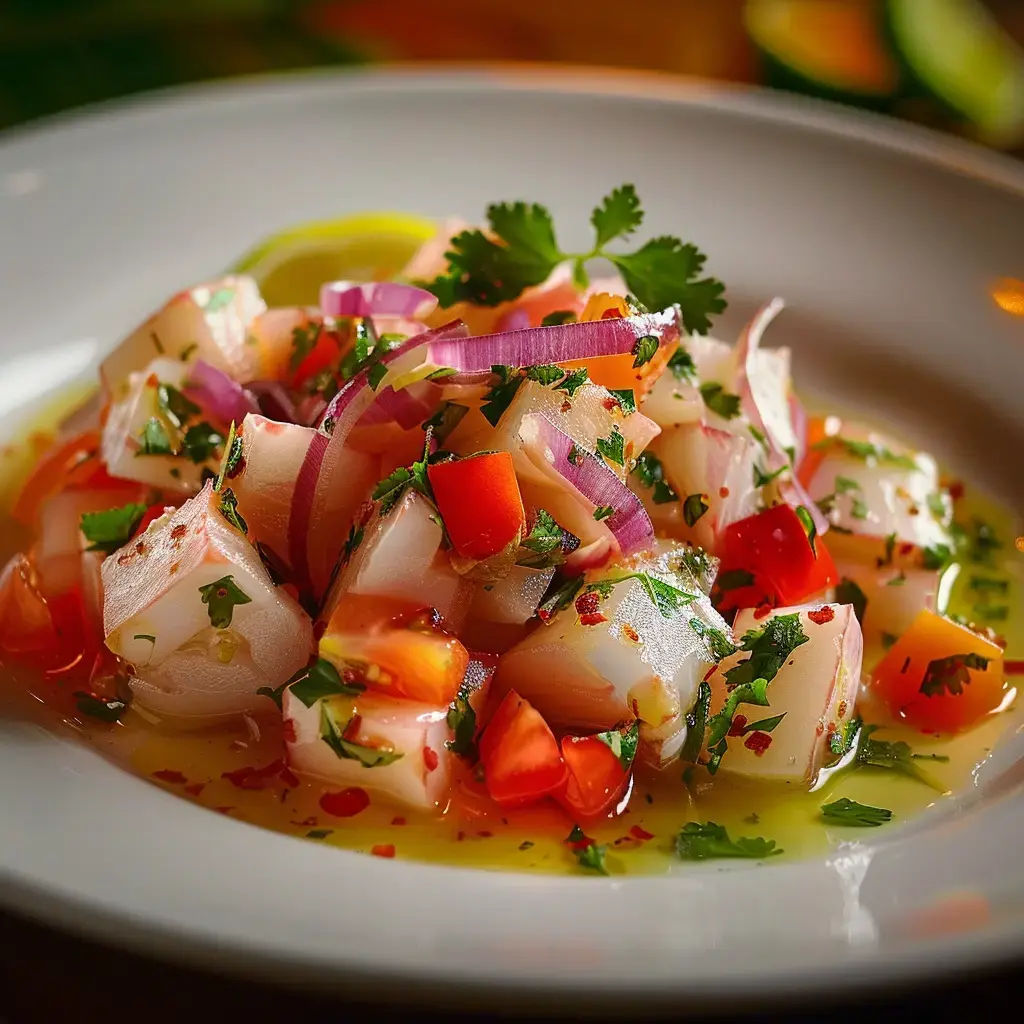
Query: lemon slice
{"type": "Point", "coordinates": [290, 267]}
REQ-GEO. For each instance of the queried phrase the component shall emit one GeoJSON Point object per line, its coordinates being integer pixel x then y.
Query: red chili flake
{"type": "Point", "coordinates": [195, 788]}
{"type": "Point", "coordinates": [723, 492]}
{"type": "Point", "coordinates": [631, 634]}
{"type": "Point", "coordinates": [260, 778]}
{"type": "Point", "coordinates": [587, 604]}
{"type": "Point", "coordinates": [710, 672]}
{"type": "Point", "coordinates": [430, 758]}
{"type": "Point", "coordinates": [1013, 668]}
{"type": "Point", "coordinates": [819, 728]}
{"type": "Point", "coordinates": [485, 834]}
{"type": "Point", "coordinates": [398, 821]}
{"type": "Point", "coordinates": [566, 406]}
{"type": "Point", "coordinates": [175, 566]}
{"type": "Point", "coordinates": [956, 490]}
{"type": "Point", "coordinates": [170, 775]}
{"type": "Point", "coordinates": [288, 730]}
{"type": "Point", "coordinates": [739, 723]}
{"type": "Point", "coordinates": [593, 619]}
{"type": "Point", "coordinates": [610, 403]}
{"type": "Point", "coordinates": [640, 833]}
{"type": "Point", "coordinates": [906, 549]}
{"type": "Point", "coordinates": [579, 844]}
{"type": "Point", "coordinates": [179, 531]}
{"type": "Point", "coordinates": [152, 381]}
{"type": "Point", "coordinates": [821, 615]}
{"type": "Point", "coordinates": [383, 850]}
{"type": "Point", "coordinates": [758, 742]}
{"type": "Point", "coordinates": [346, 803]}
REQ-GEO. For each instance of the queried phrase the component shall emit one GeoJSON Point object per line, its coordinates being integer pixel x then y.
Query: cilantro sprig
{"type": "Point", "coordinates": [521, 250]}
{"type": "Point", "coordinates": [708, 840]}
{"type": "Point", "coordinates": [107, 531]}
{"type": "Point", "coordinates": [849, 812]}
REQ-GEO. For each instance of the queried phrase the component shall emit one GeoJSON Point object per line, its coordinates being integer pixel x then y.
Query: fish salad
{"type": "Point", "coordinates": [501, 523]}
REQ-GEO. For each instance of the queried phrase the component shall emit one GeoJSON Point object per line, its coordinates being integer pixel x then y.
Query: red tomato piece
{"type": "Point", "coordinates": [520, 755]}
{"type": "Point", "coordinates": [767, 559]}
{"type": "Point", "coordinates": [596, 780]}
{"type": "Point", "coordinates": [325, 353]}
{"type": "Point", "coordinates": [480, 503]}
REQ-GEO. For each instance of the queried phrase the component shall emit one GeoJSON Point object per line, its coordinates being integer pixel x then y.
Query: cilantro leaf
{"type": "Point", "coordinates": [333, 735]}
{"type": "Point", "coordinates": [626, 399]}
{"type": "Point", "coordinates": [894, 757]}
{"type": "Point", "coordinates": [589, 855]}
{"type": "Point", "coordinates": [682, 366]}
{"type": "Point", "coordinates": [762, 479]}
{"type": "Point", "coordinates": [178, 409]}
{"type": "Point", "coordinates": [867, 451]}
{"type": "Point", "coordinates": [848, 812]}
{"type": "Point", "coordinates": [734, 579]}
{"type": "Point", "coordinates": [662, 273]}
{"type": "Point", "coordinates": [937, 556]}
{"type": "Point", "coordinates": [719, 644]}
{"type": "Point", "coordinates": [770, 646]}
{"type": "Point", "coordinates": [201, 442]}
{"type": "Point", "coordinates": [461, 719]}
{"type": "Point", "coordinates": [574, 381]}
{"type": "Point", "coordinates": [840, 741]}
{"type": "Point", "coordinates": [848, 592]}
{"type": "Point", "coordinates": [950, 674]}
{"type": "Point", "coordinates": [696, 724]}
{"type": "Point", "coordinates": [544, 374]}
{"type": "Point", "coordinates": [559, 596]}
{"type": "Point", "coordinates": [807, 522]}
{"type": "Point", "coordinates": [155, 439]}
{"type": "Point", "coordinates": [219, 299]}
{"type": "Point", "coordinates": [622, 743]}
{"type": "Point", "coordinates": [499, 398]}
{"type": "Point", "coordinates": [651, 473]}
{"type": "Point", "coordinates": [559, 317]}
{"type": "Point", "coordinates": [447, 417]}
{"type": "Point", "coordinates": [221, 598]}
{"type": "Point", "coordinates": [544, 543]}
{"type": "Point", "coordinates": [321, 680]}
{"type": "Point", "coordinates": [110, 530]}
{"type": "Point", "coordinates": [604, 512]}
{"type": "Point", "coordinates": [618, 215]}
{"type": "Point", "coordinates": [375, 373]}
{"type": "Point", "coordinates": [644, 350]}
{"type": "Point", "coordinates": [666, 598]}
{"type": "Point", "coordinates": [720, 401]}
{"type": "Point", "coordinates": [694, 508]}
{"type": "Point", "coordinates": [613, 447]}
{"type": "Point", "coordinates": [229, 510]}
{"type": "Point", "coordinates": [707, 840]}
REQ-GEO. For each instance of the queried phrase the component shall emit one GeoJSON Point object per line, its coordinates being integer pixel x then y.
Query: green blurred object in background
{"type": "Point", "coordinates": [952, 64]}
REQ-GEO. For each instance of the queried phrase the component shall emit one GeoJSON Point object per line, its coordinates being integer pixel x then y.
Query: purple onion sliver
{"type": "Point", "coordinates": [218, 393]}
{"type": "Point", "coordinates": [629, 523]}
{"type": "Point", "coordinates": [535, 346]}
{"type": "Point", "coordinates": [274, 401]}
{"type": "Point", "coordinates": [380, 298]}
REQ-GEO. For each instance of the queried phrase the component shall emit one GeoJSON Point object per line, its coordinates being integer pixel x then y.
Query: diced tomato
{"type": "Point", "coordinates": [520, 755]}
{"type": "Point", "coordinates": [325, 353]}
{"type": "Point", "coordinates": [771, 551]}
{"type": "Point", "coordinates": [52, 472]}
{"type": "Point", "coordinates": [410, 663]}
{"type": "Point", "coordinates": [596, 780]}
{"type": "Point", "coordinates": [480, 503]}
{"type": "Point", "coordinates": [940, 676]}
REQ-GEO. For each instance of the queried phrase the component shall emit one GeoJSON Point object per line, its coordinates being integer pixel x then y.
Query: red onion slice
{"type": "Point", "coordinates": [302, 508]}
{"type": "Point", "coordinates": [218, 393]}
{"type": "Point", "coordinates": [408, 408]}
{"type": "Point", "coordinates": [534, 346]}
{"type": "Point", "coordinates": [274, 401]}
{"type": "Point", "coordinates": [380, 298]}
{"type": "Point", "coordinates": [755, 407]}
{"type": "Point", "coordinates": [629, 523]}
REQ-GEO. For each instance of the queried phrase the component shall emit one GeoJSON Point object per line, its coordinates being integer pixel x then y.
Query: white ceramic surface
{"type": "Point", "coordinates": [883, 240]}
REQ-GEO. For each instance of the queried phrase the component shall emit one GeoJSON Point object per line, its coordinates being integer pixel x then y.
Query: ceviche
{"type": "Point", "coordinates": [504, 551]}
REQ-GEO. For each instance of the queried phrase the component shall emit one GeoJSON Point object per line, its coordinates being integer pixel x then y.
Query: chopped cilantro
{"type": "Point", "coordinates": [447, 417]}
{"type": "Point", "coordinates": [951, 675]}
{"type": "Point", "coordinates": [888, 639]}
{"type": "Point", "coordinates": [848, 592]}
{"type": "Point", "coordinates": [987, 585]}
{"type": "Point", "coordinates": [644, 350]}
{"type": "Point", "coordinates": [682, 366]}
{"type": "Point", "coordinates": [937, 556]}
{"type": "Point", "coordinates": [848, 812]}
{"type": "Point", "coordinates": [229, 510]}
{"type": "Point", "coordinates": [304, 339]}
{"type": "Point", "coordinates": [109, 711]}
{"type": "Point", "coordinates": [603, 512]}
{"type": "Point", "coordinates": [762, 478]}
{"type": "Point", "coordinates": [894, 757]}
{"type": "Point", "coordinates": [651, 473]}
{"type": "Point", "coordinates": [544, 374]}
{"type": "Point", "coordinates": [110, 530]}
{"type": "Point", "coordinates": [992, 612]}
{"type": "Point", "coordinates": [559, 317]}
{"type": "Point", "coordinates": [526, 844]}
{"type": "Point", "coordinates": [391, 488]}
{"type": "Point", "coordinates": [612, 447]}
{"type": "Point", "coordinates": [589, 855]}
{"type": "Point", "coordinates": [201, 442]}
{"type": "Point", "coordinates": [858, 509]}
{"type": "Point", "coordinates": [866, 451]}
{"type": "Point", "coordinates": [707, 840]}
{"type": "Point", "coordinates": [720, 401]}
{"type": "Point", "coordinates": [626, 398]}
{"type": "Point", "coordinates": [155, 440]}
{"type": "Point", "coordinates": [666, 598]}
{"type": "Point", "coordinates": [333, 735]}
{"type": "Point", "coordinates": [544, 543]}
{"type": "Point", "coordinates": [499, 398]}
{"type": "Point", "coordinates": [375, 373]}
{"type": "Point", "coordinates": [765, 724]}
{"type": "Point", "coordinates": [694, 508]}
{"type": "Point", "coordinates": [696, 724]}
{"type": "Point", "coordinates": [221, 598]}
{"type": "Point", "coordinates": [559, 596]}
{"type": "Point", "coordinates": [981, 542]}
{"type": "Point", "coordinates": [719, 644]}
{"type": "Point", "coordinates": [622, 743]}
{"type": "Point", "coordinates": [321, 680]}
{"type": "Point", "coordinates": [573, 381]}
{"type": "Point", "coordinates": [319, 833]}
{"type": "Point", "coordinates": [807, 522]}
{"type": "Point", "coordinates": [178, 409]}
{"type": "Point", "coordinates": [232, 456]}
{"type": "Point", "coordinates": [890, 550]}
{"type": "Point", "coordinates": [841, 741]}
{"type": "Point", "coordinates": [844, 485]}
{"type": "Point", "coordinates": [520, 250]}
{"type": "Point", "coordinates": [938, 505]}
{"type": "Point", "coordinates": [461, 720]}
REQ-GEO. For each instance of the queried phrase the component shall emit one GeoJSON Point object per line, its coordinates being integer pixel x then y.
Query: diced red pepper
{"type": "Point", "coordinates": [596, 781]}
{"type": "Point", "coordinates": [767, 559]}
{"type": "Point", "coordinates": [480, 503]}
{"type": "Point", "coordinates": [520, 755]}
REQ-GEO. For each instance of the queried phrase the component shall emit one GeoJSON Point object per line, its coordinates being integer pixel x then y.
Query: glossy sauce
{"type": "Point", "coordinates": [237, 768]}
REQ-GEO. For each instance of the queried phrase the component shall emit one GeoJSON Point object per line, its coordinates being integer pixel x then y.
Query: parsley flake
{"type": "Point", "coordinates": [155, 440]}
{"type": "Point", "coordinates": [613, 447]}
{"type": "Point", "coordinates": [720, 401]}
{"type": "Point", "coordinates": [559, 597]}
{"type": "Point", "coordinates": [558, 318]}
{"type": "Point", "coordinates": [651, 473]}
{"type": "Point", "coordinates": [333, 735]}
{"type": "Point", "coordinates": [589, 855]}
{"type": "Point", "coordinates": [461, 719]}
{"type": "Point", "coordinates": [951, 675]}
{"type": "Point", "coordinates": [708, 840]}
{"type": "Point", "coordinates": [221, 598]}
{"type": "Point", "coordinates": [683, 368]}
{"type": "Point", "coordinates": [107, 531]}
{"type": "Point", "coordinates": [848, 812]}
{"type": "Point", "coordinates": [500, 397]}
{"type": "Point", "coordinates": [694, 508]}
{"type": "Point", "coordinates": [626, 399]}
{"type": "Point", "coordinates": [228, 508]}
{"type": "Point", "coordinates": [894, 757]}
{"type": "Point", "coordinates": [321, 680]}
{"type": "Point", "coordinates": [644, 350]}
{"type": "Point", "coordinates": [604, 512]}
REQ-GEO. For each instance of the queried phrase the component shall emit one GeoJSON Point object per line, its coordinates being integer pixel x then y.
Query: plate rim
{"type": "Point", "coordinates": [958, 953]}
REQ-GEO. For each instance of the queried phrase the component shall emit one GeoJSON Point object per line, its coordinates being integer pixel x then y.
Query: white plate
{"type": "Point", "coordinates": [883, 240]}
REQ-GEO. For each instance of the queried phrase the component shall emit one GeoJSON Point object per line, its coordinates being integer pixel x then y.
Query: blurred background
{"type": "Point", "coordinates": [953, 64]}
